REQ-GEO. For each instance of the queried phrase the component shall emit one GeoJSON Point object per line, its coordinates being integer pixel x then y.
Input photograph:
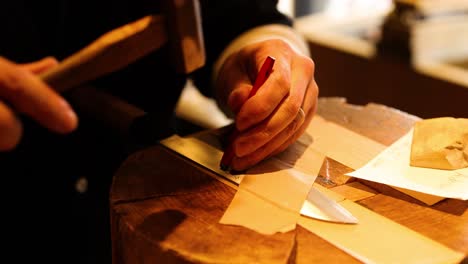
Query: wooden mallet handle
{"type": "Point", "coordinates": [110, 52]}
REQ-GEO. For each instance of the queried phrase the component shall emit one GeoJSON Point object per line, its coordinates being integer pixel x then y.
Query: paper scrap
{"type": "Point", "coordinates": [270, 196]}
{"type": "Point", "coordinates": [260, 215]}
{"type": "Point", "coordinates": [341, 144]}
{"type": "Point", "coordinates": [392, 167]}
{"type": "Point", "coordinates": [440, 143]}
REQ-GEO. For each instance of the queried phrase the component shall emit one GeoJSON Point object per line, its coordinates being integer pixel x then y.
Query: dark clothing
{"type": "Point", "coordinates": [54, 222]}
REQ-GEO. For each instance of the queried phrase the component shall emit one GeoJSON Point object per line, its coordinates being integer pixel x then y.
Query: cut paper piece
{"type": "Point", "coordinates": [440, 143]}
{"type": "Point", "coordinates": [377, 239]}
{"type": "Point", "coordinates": [270, 196]}
{"type": "Point", "coordinates": [260, 215]}
{"type": "Point", "coordinates": [392, 167]}
{"type": "Point", "coordinates": [341, 144]}
{"type": "Point", "coordinates": [351, 149]}
{"type": "Point", "coordinates": [281, 184]}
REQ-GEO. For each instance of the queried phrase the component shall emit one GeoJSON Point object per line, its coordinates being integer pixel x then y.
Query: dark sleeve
{"type": "Point", "coordinates": [225, 20]}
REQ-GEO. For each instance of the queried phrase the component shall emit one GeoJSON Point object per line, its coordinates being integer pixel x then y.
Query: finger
{"type": "Point", "coordinates": [309, 106]}
{"type": "Point", "coordinates": [270, 95]}
{"type": "Point", "coordinates": [310, 103]}
{"type": "Point", "coordinates": [253, 139]}
{"type": "Point", "coordinates": [40, 66]}
{"type": "Point", "coordinates": [10, 128]}
{"type": "Point", "coordinates": [29, 95]}
{"type": "Point", "coordinates": [266, 150]}
{"type": "Point", "coordinates": [287, 136]}
{"type": "Point", "coordinates": [233, 82]}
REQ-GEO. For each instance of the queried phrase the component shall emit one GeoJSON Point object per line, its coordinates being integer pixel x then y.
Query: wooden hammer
{"type": "Point", "coordinates": [179, 26]}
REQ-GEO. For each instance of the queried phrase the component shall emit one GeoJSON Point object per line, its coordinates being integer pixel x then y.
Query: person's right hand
{"type": "Point", "coordinates": [22, 91]}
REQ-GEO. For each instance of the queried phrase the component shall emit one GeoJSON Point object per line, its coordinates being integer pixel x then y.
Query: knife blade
{"type": "Point", "coordinates": [319, 206]}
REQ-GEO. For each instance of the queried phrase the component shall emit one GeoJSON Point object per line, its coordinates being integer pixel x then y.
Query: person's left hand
{"type": "Point", "coordinates": [272, 119]}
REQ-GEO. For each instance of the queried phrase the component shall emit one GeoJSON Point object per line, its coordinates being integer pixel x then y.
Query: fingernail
{"type": "Point", "coordinates": [68, 118]}
{"type": "Point", "coordinates": [72, 120]}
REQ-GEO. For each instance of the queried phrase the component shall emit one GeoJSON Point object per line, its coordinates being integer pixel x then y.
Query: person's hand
{"type": "Point", "coordinates": [21, 91]}
{"type": "Point", "coordinates": [272, 119]}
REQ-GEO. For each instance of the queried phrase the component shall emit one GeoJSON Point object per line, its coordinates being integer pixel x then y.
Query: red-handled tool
{"type": "Point", "coordinates": [262, 76]}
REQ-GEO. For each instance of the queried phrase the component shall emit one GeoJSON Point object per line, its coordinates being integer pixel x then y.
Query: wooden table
{"type": "Point", "coordinates": [165, 208]}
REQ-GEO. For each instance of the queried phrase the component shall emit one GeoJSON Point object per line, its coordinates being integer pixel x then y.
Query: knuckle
{"type": "Point", "coordinates": [251, 159]}
{"type": "Point", "coordinates": [7, 118]}
{"type": "Point", "coordinates": [283, 84]}
{"type": "Point", "coordinates": [12, 80]}
{"type": "Point", "coordinates": [264, 136]}
{"type": "Point", "coordinates": [8, 144]}
{"type": "Point", "coordinates": [245, 147]}
{"type": "Point", "coordinates": [310, 62]}
{"type": "Point", "coordinates": [245, 120]}
{"type": "Point", "coordinates": [10, 132]}
{"type": "Point", "coordinates": [291, 129]}
{"type": "Point", "coordinates": [260, 110]}
{"type": "Point", "coordinates": [254, 142]}
{"type": "Point", "coordinates": [292, 109]}
{"type": "Point", "coordinates": [277, 43]}
{"type": "Point", "coordinates": [308, 65]}
{"type": "Point", "coordinates": [315, 88]}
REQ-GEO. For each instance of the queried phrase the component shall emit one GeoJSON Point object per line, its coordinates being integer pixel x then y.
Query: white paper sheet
{"type": "Point", "coordinates": [392, 167]}
{"type": "Point", "coordinates": [352, 149]}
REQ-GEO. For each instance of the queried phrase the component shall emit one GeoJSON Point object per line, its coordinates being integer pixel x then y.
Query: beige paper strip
{"type": "Point", "coordinates": [351, 149]}
{"type": "Point", "coordinates": [270, 196]}
{"type": "Point", "coordinates": [377, 239]}
{"type": "Point", "coordinates": [342, 144]}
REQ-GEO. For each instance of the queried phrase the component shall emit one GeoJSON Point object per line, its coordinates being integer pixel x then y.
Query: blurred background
{"type": "Point", "coordinates": [411, 55]}
{"type": "Point", "coordinates": [299, 8]}
{"type": "Point", "coordinates": [408, 54]}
